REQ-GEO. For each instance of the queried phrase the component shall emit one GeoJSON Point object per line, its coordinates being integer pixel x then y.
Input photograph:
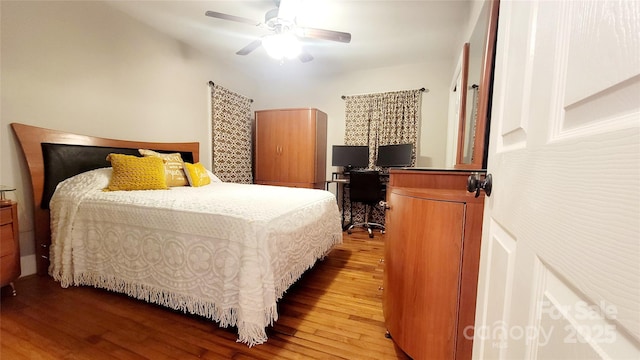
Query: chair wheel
{"type": "Point", "coordinates": [349, 231]}
{"type": "Point", "coordinates": [371, 235]}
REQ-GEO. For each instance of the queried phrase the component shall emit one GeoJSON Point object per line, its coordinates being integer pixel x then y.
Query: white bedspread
{"type": "Point", "coordinates": [224, 251]}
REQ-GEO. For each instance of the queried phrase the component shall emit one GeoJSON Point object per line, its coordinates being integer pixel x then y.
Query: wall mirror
{"type": "Point", "coordinates": [477, 63]}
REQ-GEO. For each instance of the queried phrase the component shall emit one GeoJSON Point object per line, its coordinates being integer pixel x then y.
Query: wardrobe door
{"type": "Point", "coordinates": [297, 159]}
{"type": "Point", "coordinates": [268, 145]}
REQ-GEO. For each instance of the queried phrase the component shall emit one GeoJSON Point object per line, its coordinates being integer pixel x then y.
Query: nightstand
{"type": "Point", "coordinates": [9, 244]}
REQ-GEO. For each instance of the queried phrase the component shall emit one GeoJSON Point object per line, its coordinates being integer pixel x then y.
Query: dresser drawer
{"type": "Point", "coordinates": [5, 215]}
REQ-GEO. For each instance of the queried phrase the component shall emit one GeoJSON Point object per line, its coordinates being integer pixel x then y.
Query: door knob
{"type": "Point", "coordinates": [475, 184]}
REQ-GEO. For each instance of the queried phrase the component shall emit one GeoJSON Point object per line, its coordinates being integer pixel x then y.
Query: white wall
{"type": "Point", "coordinates": [438, 131]}
{"type": "Point", "coordinates": [86, 68]}
{"type": "Point", "coordinates": [325, 94]}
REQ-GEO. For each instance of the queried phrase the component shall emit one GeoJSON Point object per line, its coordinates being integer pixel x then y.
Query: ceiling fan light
{"type": "Point", "coordinates": [280, 46]}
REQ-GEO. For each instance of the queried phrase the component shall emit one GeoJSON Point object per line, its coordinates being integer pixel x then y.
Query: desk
{"type": "Point", "coordinates": [342, 182]}
{"type": "Point", "coordinates": [337, 178]}
{"type": "Point", "coordinates": [337, 181]}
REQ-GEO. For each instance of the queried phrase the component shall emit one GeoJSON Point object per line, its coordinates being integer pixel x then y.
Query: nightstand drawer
{"type": "Point", "coordinates": [5, 215]}
{"type": "Point", "coordinates": [7, 246]}
{"type": "Point", "coordinates": [8, 269]}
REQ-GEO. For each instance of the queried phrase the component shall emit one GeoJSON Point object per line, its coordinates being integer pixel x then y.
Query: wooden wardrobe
{"type": "Point", "coordinates": [290, 147]}
{"type": "Point", "coordinates": [432, 251]}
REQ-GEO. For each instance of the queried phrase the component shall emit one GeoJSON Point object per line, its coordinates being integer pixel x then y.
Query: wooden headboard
{"type": "Point", "coordinates": [31, 139]}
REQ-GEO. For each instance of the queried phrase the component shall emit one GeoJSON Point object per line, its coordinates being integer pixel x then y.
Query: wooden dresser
{"type": "Point", "coordinates": [432, 251]}
{"type": "Point", "coordinates": [290, 148]}
{"type": "Point", "coordinates": [9, 245]}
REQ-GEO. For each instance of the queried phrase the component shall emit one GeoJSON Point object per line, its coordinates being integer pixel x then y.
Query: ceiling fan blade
{"type": "Point", "coordinates": [249, 48]}
{"type": "Point", "coordinates": [305, 56]}
{"type": "Point", "coordinates": [231, 17]}
{"type": "Point", "coordinates": [325, 34]}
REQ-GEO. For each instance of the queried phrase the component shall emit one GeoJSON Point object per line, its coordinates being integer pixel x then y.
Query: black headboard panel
{"type": "Point", "coordinates": [62, 161]}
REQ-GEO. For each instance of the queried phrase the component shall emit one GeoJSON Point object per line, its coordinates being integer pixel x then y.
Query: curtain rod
{"type": "Point", "coordinates": [421, 89]}
{"type": "Point", "coordinates": [212, 85]}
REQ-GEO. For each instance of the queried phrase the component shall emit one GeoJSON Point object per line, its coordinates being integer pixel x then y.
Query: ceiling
{"type": "Point", "coordinates": [384, 33]}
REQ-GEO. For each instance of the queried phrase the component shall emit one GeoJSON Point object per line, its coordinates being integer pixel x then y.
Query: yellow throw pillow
{"type": "Point", "coordinates": [196, 174]}
{"type": "Point", "coordinates": [173, 167]}
{"type": "Point", "coordinates": [136, 173]}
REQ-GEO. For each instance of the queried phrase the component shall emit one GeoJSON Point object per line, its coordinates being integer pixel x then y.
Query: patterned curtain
{"type": "Point", "coordinates": [231, 135]}
{"type": "Point", "coordinates": [381, 119]}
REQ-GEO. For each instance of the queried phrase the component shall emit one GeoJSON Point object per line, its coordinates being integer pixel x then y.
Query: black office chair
{"type": "Point", "coordinates": [365, 187]}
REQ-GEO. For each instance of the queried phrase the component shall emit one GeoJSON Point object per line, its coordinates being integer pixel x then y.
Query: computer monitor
{"type": "Point", "coordinates": [350, 156]}
{"type": "Point", "coordinates": [394, 155]}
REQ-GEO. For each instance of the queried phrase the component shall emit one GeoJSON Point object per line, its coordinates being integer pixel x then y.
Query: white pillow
{"type": "Point", "coordinates": [213, 177]}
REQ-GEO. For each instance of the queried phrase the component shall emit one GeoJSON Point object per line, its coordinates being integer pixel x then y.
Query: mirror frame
{"type": "Point", "coordinates": [486, 79]}
{"type": "Point", "coordinates": [462, 108]}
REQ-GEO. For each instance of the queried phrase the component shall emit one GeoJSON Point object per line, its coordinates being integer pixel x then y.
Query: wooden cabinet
{"type": "Point", "coordinates": [291, 147]}
{"type": "Point", "coordinates": [432, 250]}
{"type": "Point", "coordinates": [9, 245]}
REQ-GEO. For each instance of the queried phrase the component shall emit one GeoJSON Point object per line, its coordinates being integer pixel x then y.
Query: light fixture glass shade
{"type": "Point", "coordinates": [279, 46]}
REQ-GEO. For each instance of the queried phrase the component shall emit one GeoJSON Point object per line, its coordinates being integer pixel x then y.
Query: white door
{"type": "Point", "coordinates": [560, 262]}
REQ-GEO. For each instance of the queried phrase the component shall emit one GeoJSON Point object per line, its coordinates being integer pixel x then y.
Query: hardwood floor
{"type": "Point", "coordinates": [333, 312]}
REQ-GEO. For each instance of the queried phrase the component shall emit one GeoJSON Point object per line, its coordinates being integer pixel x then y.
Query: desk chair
{"type": "Point", "coordinates": [365, 187]}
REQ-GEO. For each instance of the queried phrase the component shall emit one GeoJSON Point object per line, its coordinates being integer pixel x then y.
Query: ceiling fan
{"type": "Point", "coordinates": [283, 41]}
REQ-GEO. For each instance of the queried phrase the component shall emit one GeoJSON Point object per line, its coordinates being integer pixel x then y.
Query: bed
{"type": "Point", "coordinates": [224, 251]}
